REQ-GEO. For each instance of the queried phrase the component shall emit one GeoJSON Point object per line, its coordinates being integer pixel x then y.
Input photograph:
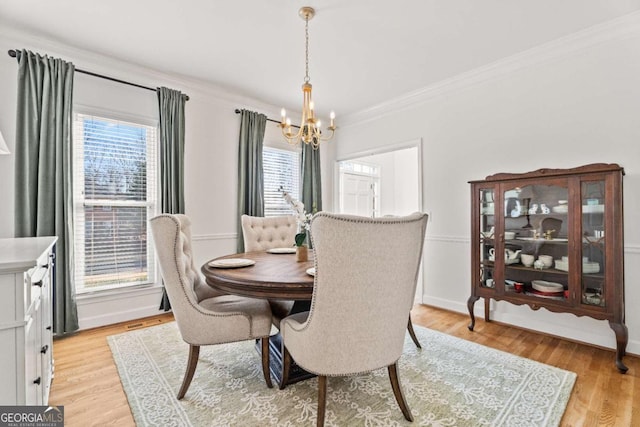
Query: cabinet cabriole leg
{"type": "Point", "coordinates": [622, 338]}
{"type": "Point", "coordinates": [470, 303]}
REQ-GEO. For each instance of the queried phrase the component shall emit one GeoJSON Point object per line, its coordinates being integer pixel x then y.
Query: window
{"type": "Point", "coordinates": [281, 169]}
{"type": "Point", "coordinates": [114, 196]}
{"type": "Point", "coordinates": [360, 168]}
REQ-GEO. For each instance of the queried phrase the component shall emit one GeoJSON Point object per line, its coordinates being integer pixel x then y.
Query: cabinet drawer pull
{"type": "Point", "coordinates": [44, 349]}
{"type": "Point", "coordinates": [48, 328]}
{"type": "Point", "coordinates": [38, 283]}
{"type": "Point", "coordinates": [37, 381]}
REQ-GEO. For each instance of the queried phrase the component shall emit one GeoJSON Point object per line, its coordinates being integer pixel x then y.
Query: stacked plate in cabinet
{"type": "Point", "coordinates": [547, 289]}
{"type": "Point", "coordinates": [588, 267]}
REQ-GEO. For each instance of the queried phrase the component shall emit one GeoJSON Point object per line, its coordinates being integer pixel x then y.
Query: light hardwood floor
{"type": "Point", "coordinates": [87, 384]}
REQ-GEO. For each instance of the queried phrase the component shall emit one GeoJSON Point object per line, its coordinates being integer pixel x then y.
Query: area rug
{"type": "Point", "coordinates": [450, 382]}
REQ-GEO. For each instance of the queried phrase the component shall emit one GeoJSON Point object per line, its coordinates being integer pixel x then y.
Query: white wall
{"type": "Point", "coordinates": [406, 186]}
{"type": "Point", "coordinates": [572, 102]}
{"type": "Point", "coordinates": [210, 155]}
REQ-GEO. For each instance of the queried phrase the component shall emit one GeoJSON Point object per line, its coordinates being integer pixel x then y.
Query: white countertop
{"type": "Point", "coordinates": [23, 252]}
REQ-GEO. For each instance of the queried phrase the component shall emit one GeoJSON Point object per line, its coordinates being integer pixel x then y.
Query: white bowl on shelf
{"type": "Point", "coordinates": [547, 260]}
{"type": "Point", "coordinates": [527, 259]}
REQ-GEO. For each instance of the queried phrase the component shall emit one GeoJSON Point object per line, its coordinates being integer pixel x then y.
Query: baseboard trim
{"type": "Point", "coordinates": [514, 320]}
{"type": "Point", "coordinates": [119, 317]}
{"type": "Point", "coordinates": [107, 309]}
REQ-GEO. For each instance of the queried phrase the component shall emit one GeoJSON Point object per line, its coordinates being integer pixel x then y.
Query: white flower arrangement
{"type": "Point", "coordinates": [303, 218]}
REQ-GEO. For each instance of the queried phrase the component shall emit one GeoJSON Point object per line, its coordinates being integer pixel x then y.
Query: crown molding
{"type": "Point", "coordinates": [198, 90]}
{"type": "Point", "coordinates": [617, 29]}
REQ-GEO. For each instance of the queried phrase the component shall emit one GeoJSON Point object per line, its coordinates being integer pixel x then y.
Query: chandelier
{"type": "Point", "coordinates": [309, 132]}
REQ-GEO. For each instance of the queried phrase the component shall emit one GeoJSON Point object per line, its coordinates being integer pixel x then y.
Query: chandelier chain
{"type": "Point", "coordinates": [306, 50]}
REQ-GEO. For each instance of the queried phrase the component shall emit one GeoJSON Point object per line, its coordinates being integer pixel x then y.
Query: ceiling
{"type": "Point", "coordinates": [362, 52]}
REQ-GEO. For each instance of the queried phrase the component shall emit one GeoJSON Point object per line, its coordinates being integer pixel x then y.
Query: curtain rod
{"type": "Point", "coordinates": [238, 111]}
{"type": "Point", "coordinates": [16, 54]}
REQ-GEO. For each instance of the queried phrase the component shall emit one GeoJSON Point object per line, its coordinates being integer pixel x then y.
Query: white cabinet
{"type": "Point", "coordinates": [26, 322]}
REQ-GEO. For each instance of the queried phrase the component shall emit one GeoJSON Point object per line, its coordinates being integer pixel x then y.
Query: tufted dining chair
{"type": "Point", "coordinates": [204, 316]}
{"type": "Point", "coordinates": [262, 233]}
{"type": "Point", "coordinates": [366, 274]}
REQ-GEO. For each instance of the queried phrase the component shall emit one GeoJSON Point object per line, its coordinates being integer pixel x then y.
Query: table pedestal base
{"type": "Point", "coordinates": [296, 373]}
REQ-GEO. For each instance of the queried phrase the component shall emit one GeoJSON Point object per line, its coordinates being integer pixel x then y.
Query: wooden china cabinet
{"type": "Point", "coordinates": [551, 238]}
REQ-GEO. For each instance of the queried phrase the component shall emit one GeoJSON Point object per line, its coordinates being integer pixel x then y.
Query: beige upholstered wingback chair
{"type": "Point", "coordinates": [204, 316]}
{"type": "Point", "coordinates": [262, 233]}
{"type": "Point", "coordinates": [366, 273]}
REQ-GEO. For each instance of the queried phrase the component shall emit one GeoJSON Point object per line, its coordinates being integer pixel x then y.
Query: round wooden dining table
{"type": "Point", "coordinates": [274, 277]}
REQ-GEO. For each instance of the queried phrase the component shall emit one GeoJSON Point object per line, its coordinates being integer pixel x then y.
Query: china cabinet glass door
{"type": "Point", "coordinates": [593, 244]}
{"type": "Point", "coordinates": [536, 258]}
{"type": "Point", "coordinates": [487, 237]}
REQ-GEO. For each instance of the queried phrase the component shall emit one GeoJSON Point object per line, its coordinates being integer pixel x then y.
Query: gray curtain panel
{"type": "Point", "coordinates": [250, 173]}
{"type": "Point", "coordinates": [43, 172]}
{"type": "Point", "coordinates": [171, 105]}
{"type": "Point", "coordinates": [311, 182]}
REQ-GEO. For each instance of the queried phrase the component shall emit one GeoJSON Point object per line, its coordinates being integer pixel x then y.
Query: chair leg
{"type": "Point", "coordinates": [397, 391]}
{"type": "Point", "coordinates": [322, 399]}
{"type": "Point", "coordinates": [265, 361]}
{"type": "Point", "coordinates": [413, 334]}
{"type": "Point", "coordinates": [194, 351]}
{"type": "Point", "coordinates": [286, 364]}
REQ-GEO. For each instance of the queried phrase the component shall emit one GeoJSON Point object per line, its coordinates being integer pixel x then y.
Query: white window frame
{"type": "Point", "coordinates": [274, 140]}
{"type": "Point", "coordinates": [78, 197]}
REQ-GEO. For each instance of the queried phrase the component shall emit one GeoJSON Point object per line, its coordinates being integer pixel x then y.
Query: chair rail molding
{"type": "Point", "coordinates": [217, 236]}
{"type": "Point", "coordinates": [632, 249]}
{"type": "Point", "coordinates": [616, 29]}
{"type": "Point", "coordinates": [449, 239]}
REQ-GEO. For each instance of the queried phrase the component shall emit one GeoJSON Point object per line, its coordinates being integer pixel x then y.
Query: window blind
{"type": "Point", "coordinates": [281, 169]}
{"type": "Point", "coordinates": [115, 193]}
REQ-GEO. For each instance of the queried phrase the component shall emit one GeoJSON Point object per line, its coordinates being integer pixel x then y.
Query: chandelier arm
{"type": "Point", "coordinates": [327, 138]}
